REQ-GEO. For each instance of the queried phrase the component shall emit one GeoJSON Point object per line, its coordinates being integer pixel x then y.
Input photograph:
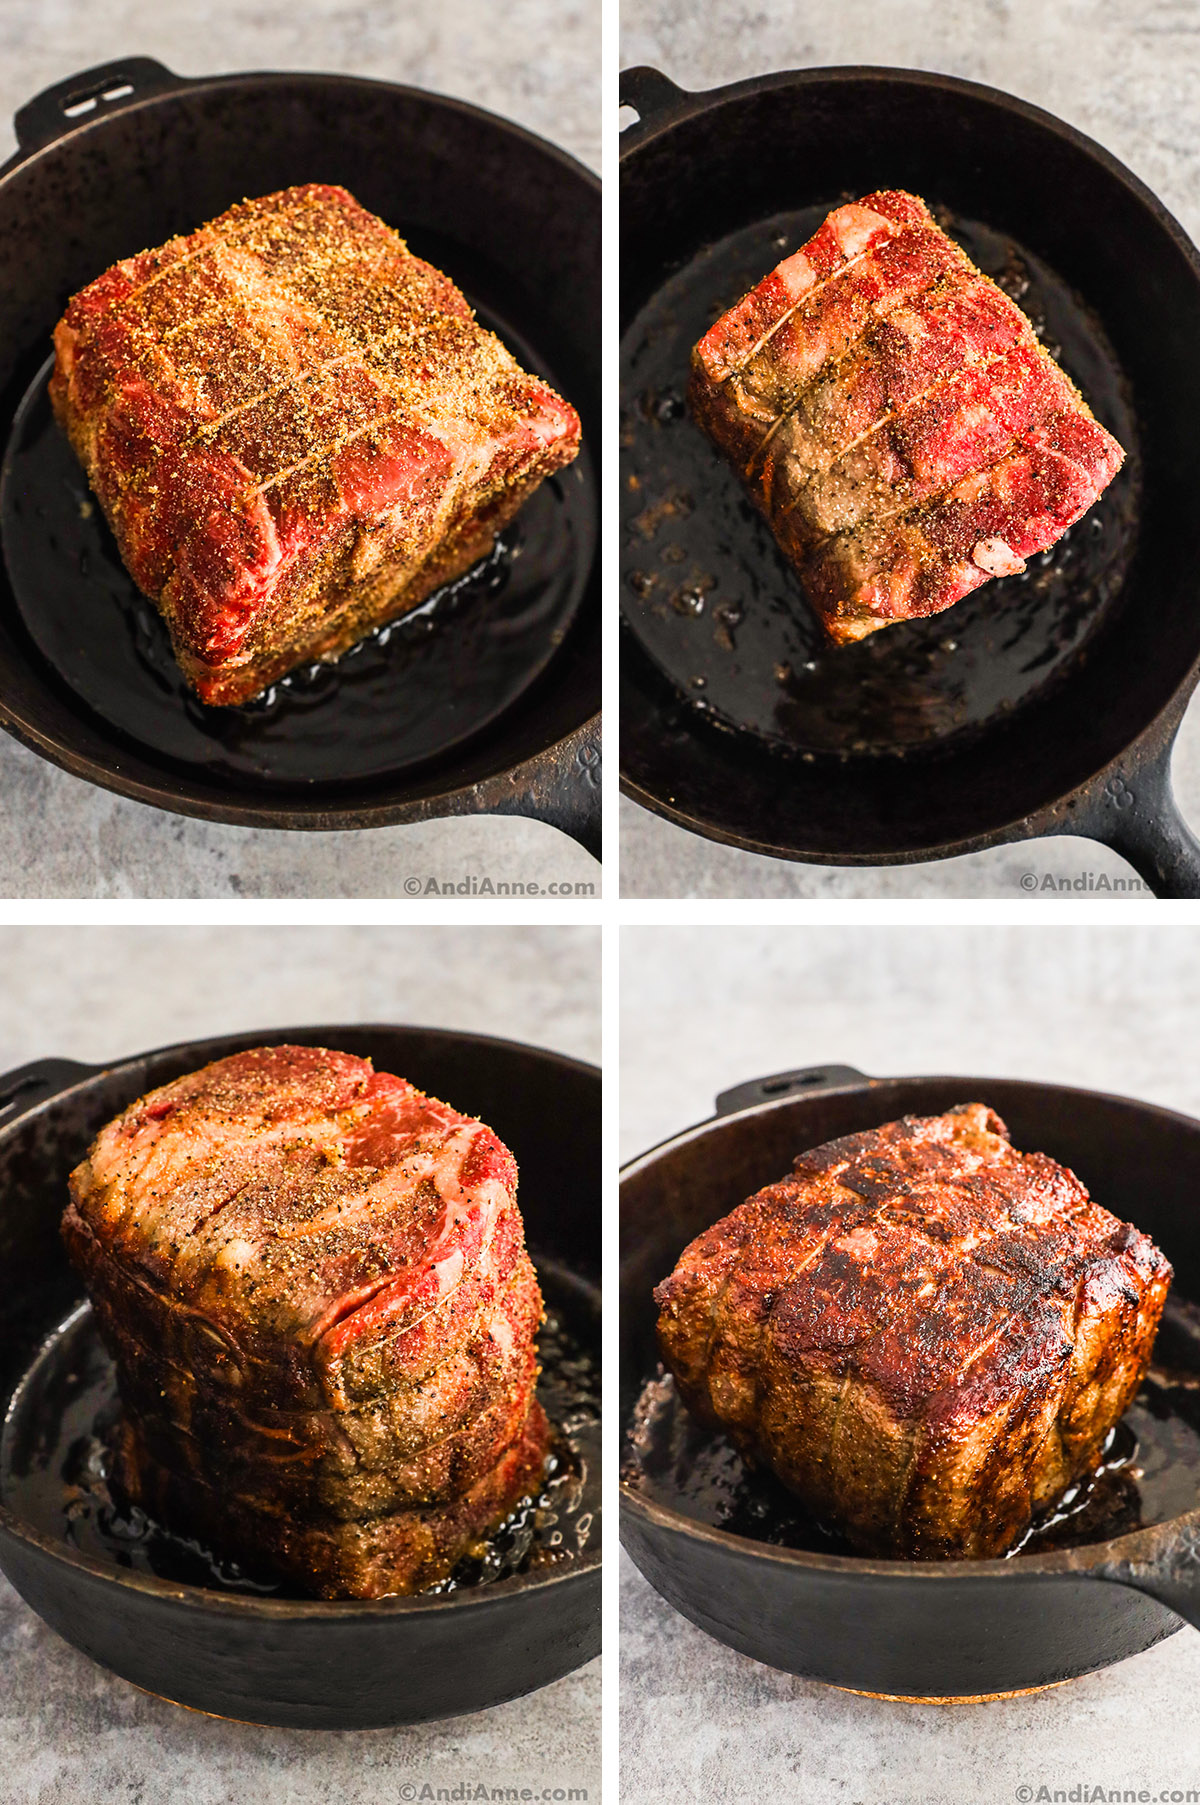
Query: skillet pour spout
{"type": "Point", "coordinates": [1045, 705]}
{"type": "Point", "coordinates": [937, 1630]}
{"type": "Point", "coordinates": [1170, 1571]}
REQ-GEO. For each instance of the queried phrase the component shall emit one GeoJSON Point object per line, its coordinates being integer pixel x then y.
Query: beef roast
{"type": "Point", "coordinates": [895, 418]}
{"type": "Point", "coordinates": [314, 1283]}
{"type": "Point", "coordinates": [926, 1334]}
{"type": "Point", "coordinates": [296, 430]}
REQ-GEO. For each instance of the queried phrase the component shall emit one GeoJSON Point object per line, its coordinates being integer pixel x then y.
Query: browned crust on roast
{"type": "Point", "coordinates": [338, 1559]}
{"type": "Point", "coordinates": [313, 1281]}
{"type": "Point", "coordinates": [926, 1334]}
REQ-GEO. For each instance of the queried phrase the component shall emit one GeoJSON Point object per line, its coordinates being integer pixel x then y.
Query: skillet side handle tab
{"type": "Point", "coordinates": [807, 1081]}
{"type": "Point", "coordinates": [1135, 812]}
{"type": "Point", "coordinates": [562, 787]}
{"type": "Point", "coordinates": [23, 1089]}
{"type": "Point", "coordinates": [1172, 1575]}
{"type": "Point", "coordinates": [653, 96]}
{"type": "Point", "coordinates": [104, 89]}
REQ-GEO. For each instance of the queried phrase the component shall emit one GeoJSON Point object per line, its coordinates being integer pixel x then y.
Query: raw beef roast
{"type": "Point", "coordinates": [895, 418]}
{"type": "Point", "coordinates": [296, 429]}
{"type": "Point", "coordinates": [926, 1334]}
{"type": "Point", "coordinates": [314, 1282]}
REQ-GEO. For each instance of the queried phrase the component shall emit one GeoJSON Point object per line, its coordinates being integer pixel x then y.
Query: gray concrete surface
{"type": "Point", "coordinates": [1124, 71]}
{"type": "Point", "coordinates": [705, 1008]}
{"type": "Point", "coordinates": [62, 837]}
{"type": "Point", "coordinates": [73, 1734]}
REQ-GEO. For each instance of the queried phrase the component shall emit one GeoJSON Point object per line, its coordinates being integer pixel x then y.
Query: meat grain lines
{"type": "Point", "coordinates": [297, 430]}
{"type": "Point", "coordinates": [712, 600]}
{"type": "Point", "coordinates": [895, 418]}
{"type": "Point", "coordinates": [314, 1283]}
{"type": "Point", "coordinates": [926, 1334]}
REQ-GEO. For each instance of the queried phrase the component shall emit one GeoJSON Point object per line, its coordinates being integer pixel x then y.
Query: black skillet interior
{"type": "Point", "coordinates": [938, 735]}
{"type": "Point", "coordinates": [714, 605]}
{"type": "Point", "coordinates": [157, 1610]}
{"type": "Point", "coordinates": [493, 669]}
{"type": "Point", "coordinates": [715, 1539]}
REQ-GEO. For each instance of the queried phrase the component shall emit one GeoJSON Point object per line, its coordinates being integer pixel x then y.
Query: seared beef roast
{"type": "Point", "coordinates": [895, 418]}
{"type": "Point", "coordinates": [926, 1334]}
{"type": "Point", "coordinates": [314, 1282]}
{"type": "Point", "coordinates": [296, 429]}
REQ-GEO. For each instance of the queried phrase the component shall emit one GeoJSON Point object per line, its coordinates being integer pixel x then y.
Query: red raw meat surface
{"type": "Point", "coordinates": [314, 1282]}
{"type": "Point", "coordinates": [895, 418]}
{"type": "Point", "coordinates": [296, 430]}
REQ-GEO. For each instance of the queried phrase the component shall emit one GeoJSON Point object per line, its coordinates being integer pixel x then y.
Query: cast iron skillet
{"type": "Point", "coordinates": [941, 1629]}
{"type": "Point", "coordinates": [309, 1664]}
{"type": "Point", "coordinates": [1044, 705]}
{"type": "Point", "coordinates": [485, 702]}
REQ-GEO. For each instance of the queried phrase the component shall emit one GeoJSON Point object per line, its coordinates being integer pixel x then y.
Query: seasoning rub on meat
{"type": "Point", "coordinates": [895, 418]}
{"type": "Point", "coordinates": [926, 1334]}
{"type": "Point", "coordinates": [296, 429]}
{"type": "Point", "coordinates": [314, 1283]}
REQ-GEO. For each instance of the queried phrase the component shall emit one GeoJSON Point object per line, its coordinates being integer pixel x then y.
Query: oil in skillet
{"type": "Point", "coordinates": [716, 608]}
{"type": "Point", "coordinates": [410, 692]}
{"type": "Point", "coordinates": [558, 1521]}
{"type": "Point", "coordinates": [1149, 1473]}
{"type": "Point", "coordinates": [56, 1469]}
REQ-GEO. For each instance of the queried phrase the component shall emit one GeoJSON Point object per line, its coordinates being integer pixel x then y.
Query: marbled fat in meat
{"type": "Point", "coordinates": [296, 429]}
{"type": "Point", "coordinates": [314, 1282]}
{"type": "Point", "coordinates": [893, 415]}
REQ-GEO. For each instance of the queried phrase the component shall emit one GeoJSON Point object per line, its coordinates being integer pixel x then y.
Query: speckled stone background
{"type": "Point", "coordinates": [1125, 71]}
{"type": "Point", "coordinates": [706, 1008]}
{"type": "Point", "coordinates": [72, 1734]}
{"type": "Point", "coordinates": [62, 837]}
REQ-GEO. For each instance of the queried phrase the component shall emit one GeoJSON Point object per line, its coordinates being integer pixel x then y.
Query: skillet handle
{"type": "Point", "coordinates": [653, 96]}
{"type": "Point", "coordinates": [1172, 1576]}
{"type": "Point", "coordinates": [106, 88]}
{"type": "Point", "coordinates": [1137, 815]}
{"type": "Point", "coordinates": [809, 1079]}
{"type": "Point", "coordinates": [562, 787]}
{"type": "Point", "coordinates": [29, 1085]}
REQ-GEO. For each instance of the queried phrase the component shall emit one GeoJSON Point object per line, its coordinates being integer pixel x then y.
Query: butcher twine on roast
{"type": "Point", "coordinates": [314, 1283]}
{"type": "Point", "coordinates": [926, 1334]}
{"type": "Point", "coordinates": [895, 418]}
{"type": "Point", "coordinates": [296, 430]}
